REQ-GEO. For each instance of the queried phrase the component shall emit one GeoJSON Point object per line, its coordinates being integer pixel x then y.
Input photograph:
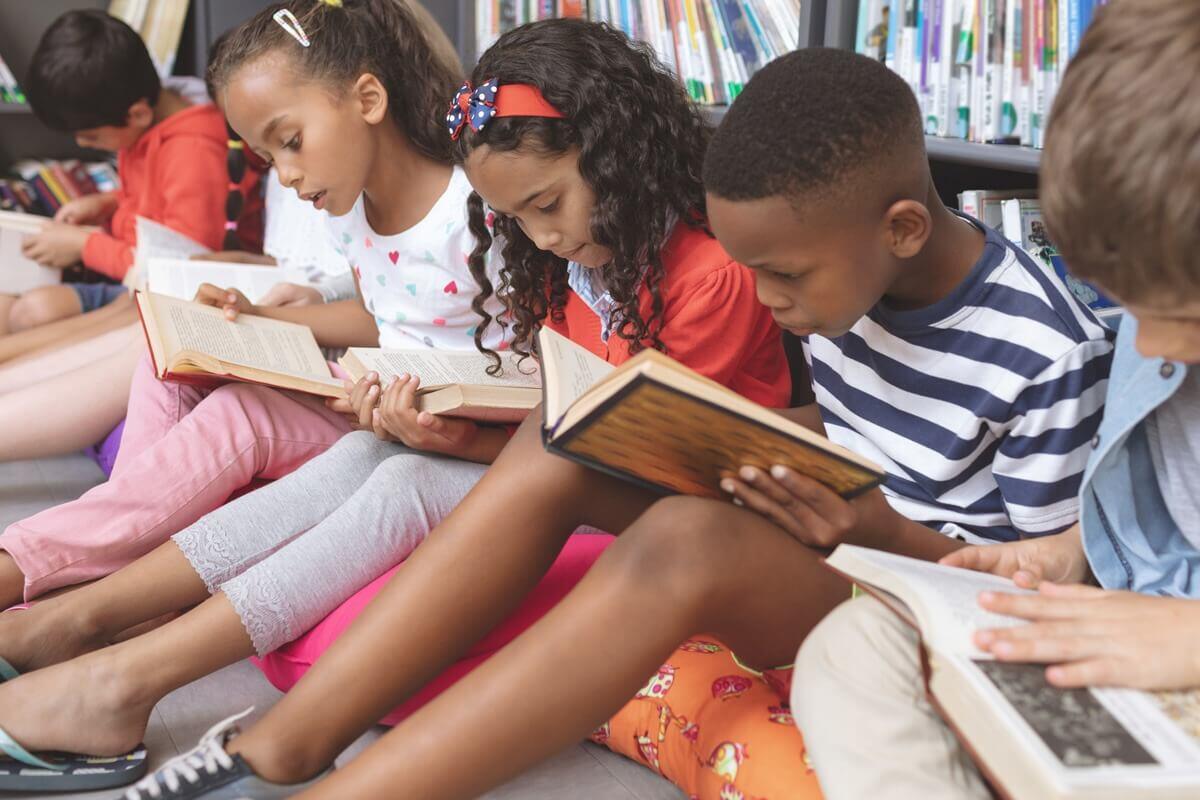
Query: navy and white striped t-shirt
{"type": "Point", "coordinates": [981, 407]}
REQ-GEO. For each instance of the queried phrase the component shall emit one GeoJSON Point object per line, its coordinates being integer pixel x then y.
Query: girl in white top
{"type": "Point", "coordinates": [278, 559]}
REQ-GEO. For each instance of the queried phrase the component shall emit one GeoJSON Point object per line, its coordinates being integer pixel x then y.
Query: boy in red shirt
{"type": "Point", "coordinates": [91, 75]}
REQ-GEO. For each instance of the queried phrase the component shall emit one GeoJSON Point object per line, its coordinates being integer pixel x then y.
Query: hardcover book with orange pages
{"type": "Point", "coordinates": [1031, 739]}
{"type": "Point", "coordinates": [658, 424]}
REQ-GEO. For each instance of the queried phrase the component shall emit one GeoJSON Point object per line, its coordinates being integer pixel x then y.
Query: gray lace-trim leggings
{"type": "Point", "coordinates": [289, 553]}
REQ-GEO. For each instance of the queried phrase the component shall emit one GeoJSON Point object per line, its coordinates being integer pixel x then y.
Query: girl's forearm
{"type": "Point", "coordinates": [342, 324]}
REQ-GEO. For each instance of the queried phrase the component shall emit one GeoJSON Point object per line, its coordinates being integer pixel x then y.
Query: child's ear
{"type": "Point", "coordinates": [140, 115]}
{"type": "Point", "coordinates": [372, 98]}
{"type": "Point", "coordinates": [908, 226]}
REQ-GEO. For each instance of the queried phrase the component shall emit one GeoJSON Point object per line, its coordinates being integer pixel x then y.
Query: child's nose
{"type": "Point", "coordinates": [545, 239]}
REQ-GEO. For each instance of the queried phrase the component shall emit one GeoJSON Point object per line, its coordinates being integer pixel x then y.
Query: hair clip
{"type": "Point", "coordinates": [287, 20]}
{"type": "Point", "coordinates": [334, 3]}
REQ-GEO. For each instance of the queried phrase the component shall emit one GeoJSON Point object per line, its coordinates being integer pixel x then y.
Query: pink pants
{"type": "Point", "coordinates": [184, 452]}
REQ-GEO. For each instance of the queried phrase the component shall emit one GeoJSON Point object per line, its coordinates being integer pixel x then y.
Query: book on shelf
{"type": "Point", "coordinates": [714, 46]}
{"type": "Point", "coordinates": [982, 70]}
{"type": "Point", "coordinates": [48, 184]}
{"type": "Point", "coordinates": [18, 273]}
{"type": "Point", "coordinates": [1023, 225]}
{"type": "Point", "coordinates": [456, 384]}
{"type": "Point", "coordinates": [1031, 739]}
{"type": "Point", "coordinates": [658, 424]}
{"type": "Point", "coordinates": [193, 343]}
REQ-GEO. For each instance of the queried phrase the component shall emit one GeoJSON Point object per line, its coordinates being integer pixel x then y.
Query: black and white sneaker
{"type": "Point", "coordinates": [211, 772]}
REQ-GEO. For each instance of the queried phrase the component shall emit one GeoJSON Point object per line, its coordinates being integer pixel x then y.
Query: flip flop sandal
{"type": "Point", "coordinates": [22, 771]}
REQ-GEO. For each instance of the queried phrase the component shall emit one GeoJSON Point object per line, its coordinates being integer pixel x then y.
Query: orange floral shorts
{"type": "Point", "coordinates": [715, 728]}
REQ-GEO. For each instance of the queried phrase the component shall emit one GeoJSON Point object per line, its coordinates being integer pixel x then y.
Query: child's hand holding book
{"type": "Point", "coordinates": [1058, 558]}
{"type": "Point", "coordinates": [231, 301]}
{"type": "Point", "coordinates": [57, 245]}
{"type": "Point", "coordinates": [819, 517]}
{"type": "Point", "coordinates": [1095, 637]}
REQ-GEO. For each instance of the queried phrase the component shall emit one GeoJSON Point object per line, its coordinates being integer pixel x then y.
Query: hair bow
{"type": "Point", "coordinates": [473, 106]}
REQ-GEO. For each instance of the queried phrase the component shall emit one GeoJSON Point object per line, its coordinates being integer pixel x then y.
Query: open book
{"type": "Point", "coordinates": [456, 384]}
{"type": "Point", "coordinates": [1031, 739]}
{"type": "Point", "coordinates": [19, 274]}
{"type": "Point", "coordinates": [656, 423]}
{"type": "Point", "coordinates": [181, 277]}
{"type": "Point", "coordinates": [194, 343]}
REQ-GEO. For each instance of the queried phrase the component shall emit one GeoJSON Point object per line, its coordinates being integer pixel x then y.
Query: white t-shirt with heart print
{"type": "Point", "coordinates": [417, 283]}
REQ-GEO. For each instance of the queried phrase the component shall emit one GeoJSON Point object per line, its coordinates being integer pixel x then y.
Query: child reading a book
{"type": "Point", "coordinates": [92, 76]}
{"type": "Point", "coordinates": [186, 450]}
{"type": "Point", "coordinates": [845, 193]}
{"type": "Point", "coordinates": [1122, 208]}
{"type": "Point", "coordinates": [295, 238]}
{"type": "Point", "coordinates": [603, 240]}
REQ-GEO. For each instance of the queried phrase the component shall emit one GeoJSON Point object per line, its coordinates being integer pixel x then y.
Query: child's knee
{"type": "Point", "coordinates": [675, 546]}
{"type": "Point", "coordinates": [41, 307]}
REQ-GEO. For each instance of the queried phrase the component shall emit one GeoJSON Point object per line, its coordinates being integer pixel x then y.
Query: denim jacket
{"type": "Point", "coordinates": [1131, 540]}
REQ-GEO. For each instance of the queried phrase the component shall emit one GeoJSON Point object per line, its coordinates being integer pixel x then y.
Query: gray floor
{"type": "Point", "coordinates": [581, 772]}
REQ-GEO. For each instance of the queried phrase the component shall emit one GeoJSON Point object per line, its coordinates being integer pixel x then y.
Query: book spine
{"type": "Point", "coordinates": [81, 177]}
{"type": "Point", "coordinates": [1007, 126]}
{"type": "Point", "coordinates": [65, 181]}
{"type": "Point", "coordinates": [46, 198]}
{"type": "Point", "coordinates": [895, 10]}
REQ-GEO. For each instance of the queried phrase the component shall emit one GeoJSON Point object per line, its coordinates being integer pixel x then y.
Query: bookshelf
{"type": "Point", "coordinates": [956, 164]}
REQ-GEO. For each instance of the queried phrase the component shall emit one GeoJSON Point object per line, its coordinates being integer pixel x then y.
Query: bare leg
{"type": "Point", "coordinates": [42, 306]}
{"type": "Point", "coordinates": [474, 569]}
{"type": "Point", "coordinates": [700, 566]}
{"type": "Point", "coordinates": [116, 314]}
{"type": "Point", "coordinates": [160, 582]}
{"type": "Point", "coordinates": [70, 355]}
{"type": "Point", "coordinates": [70, 411]}
{"type": "Point", "coordinates": [100, 702]}
{"type": "Point", "coordinates": [6, 304]}
{"type": "Point", "coordinates": [12, 582]}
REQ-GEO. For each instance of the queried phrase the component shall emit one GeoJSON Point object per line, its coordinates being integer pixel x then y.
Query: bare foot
{"type": "Point", "coordinates": [88, 705]}
{"type": "Point", "coordinates": [42, 635]}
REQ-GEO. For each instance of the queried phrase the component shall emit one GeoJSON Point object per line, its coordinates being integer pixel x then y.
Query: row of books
{"type": "Point", "coordinates": [983, 70]}
{"type": "Point", "coordinates": [1018, 215]}
{"type": "Point", "coordinates": [43, 187]}
{"type": "Point", "coordinates": [10, 90]}
{"type": "Point", "coordinates": [714, 46]}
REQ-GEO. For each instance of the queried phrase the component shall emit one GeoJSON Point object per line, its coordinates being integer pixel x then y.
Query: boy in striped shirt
{"type": "Point", "coordinates": [938, 348]}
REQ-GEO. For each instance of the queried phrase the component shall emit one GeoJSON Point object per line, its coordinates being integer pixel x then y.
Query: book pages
{"type": "Point", "coordinates": [440, 368]}
{"type": "Point", "coordinates": [569, 371]}
{"type": "Point", "coordinates": [947, 598]}
{"type": "Point", "coordinates": [181, 278]}
{"type": "Point", "coordinates": [254, 342]}
{"type": "Point", "coordinates": [155, 240]}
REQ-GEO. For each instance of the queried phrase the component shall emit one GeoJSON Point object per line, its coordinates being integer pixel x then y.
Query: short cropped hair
{"type": "Point", "coordinates": [1120, 182]}
{"type": "Point", "coordinates": [809, 120]}
{"type": "Point", "coordinates": [88, 69]}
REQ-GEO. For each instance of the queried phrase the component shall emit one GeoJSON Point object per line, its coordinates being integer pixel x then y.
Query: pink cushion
{"type": "Point", "coordinates": [286, 666]}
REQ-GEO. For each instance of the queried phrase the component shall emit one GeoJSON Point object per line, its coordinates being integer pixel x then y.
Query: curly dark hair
{"type": "Point", "coordinates": [384, 37]}
{"type": "Point", "coordinates": [809, 120]}
{"type": "Point", "coordinates": [641, 150]}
